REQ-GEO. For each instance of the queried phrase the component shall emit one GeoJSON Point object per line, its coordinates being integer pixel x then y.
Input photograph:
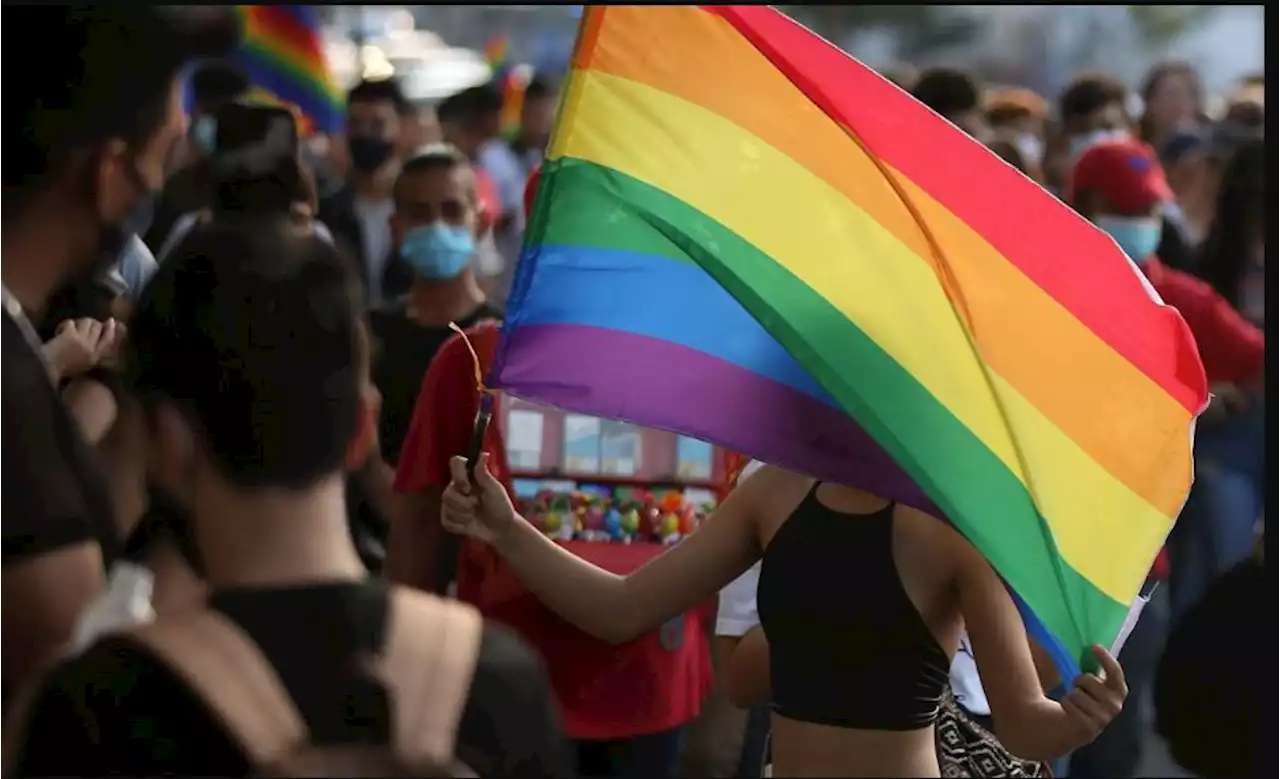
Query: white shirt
{"type": "Point", "coordinates": [13, 310]}
{"type": "Point", "coordinates": [375, 233]}
{"type": "Point", "coordinates": [965, 682]}
{"type": "Point", "coordinates": [967, 685]}
{"type": "Point", "coordinates": [125, 602]}
{"type": "Point", "coordinates": [136, 267]}
{"type": "Point", "coordinates": [508, 175]}
{"type": "Point", "coordinates": [737, 613]}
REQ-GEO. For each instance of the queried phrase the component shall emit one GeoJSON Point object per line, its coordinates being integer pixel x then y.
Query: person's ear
{"type": "Point", "coordinates": [108, 175]}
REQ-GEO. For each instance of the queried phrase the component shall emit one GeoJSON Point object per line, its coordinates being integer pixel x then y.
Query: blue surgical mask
{"type": "Point", "coordinates": [438, 251]}
{"type": "Point", "coordinates": [1138, 236]}
{"type": "Point", "coordinates": [204, 133]}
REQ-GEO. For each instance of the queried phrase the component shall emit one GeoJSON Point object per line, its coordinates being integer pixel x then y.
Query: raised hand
{"type": "Point", "coordinates": [480, 509]}
{"type": "Point", "coordinates": [79, 344]}
{"type": "Point", "coordinates": [1096, 700]}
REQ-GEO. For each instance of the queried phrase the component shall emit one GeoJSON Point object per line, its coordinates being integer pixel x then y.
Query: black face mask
{"type": "Point", "coordinates": [369, 153]}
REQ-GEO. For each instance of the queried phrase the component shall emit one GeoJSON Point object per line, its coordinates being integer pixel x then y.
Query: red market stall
{"type": "Point", "coordinates": [616, 495]}
{"type": "Point", "coordinates": [613, 492]}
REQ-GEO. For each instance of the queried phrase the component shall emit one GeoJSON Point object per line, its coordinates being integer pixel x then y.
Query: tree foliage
{"type": "Point", "coordinates": [1161, 25]}
{"type": "Point", "coordinates": [920, 29]}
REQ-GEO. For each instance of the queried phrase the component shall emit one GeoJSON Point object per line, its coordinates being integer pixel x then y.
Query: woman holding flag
{"type": "Point", "coordinates": [856, 682]}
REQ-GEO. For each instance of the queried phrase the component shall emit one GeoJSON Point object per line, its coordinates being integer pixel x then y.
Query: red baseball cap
{"type": "Point", "coordinates": [531, 190]}
{"type": "Point", "coordinates": [1126, 172]}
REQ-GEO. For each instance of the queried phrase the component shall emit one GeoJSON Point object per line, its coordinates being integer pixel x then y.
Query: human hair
{"type": "Point", "coordinates": [540, 88]}
{"type": "Point", "coordinates": [254, 332]}
{"type": "Point", "coordinates": [434, 156]}
{"type": "Point", "coordinates": [216, 82]}
{"type": "Point", "coordinates": [1008, 151]}
{"type": "Point", "coordinates": [1007, 106]}
{"type": "Point", "coordinates": [1087, 93]}
{"type": "Point", "coordinates": [948, 91]}
{"type": "Point", "coordinates": [71, 106]}
{"type": "Point", "coordinates": [468, 107]}
{"type": "Point", "coordinates": [902, 74]}
{"type": "Point", "coordinates": [275, 193]}
{"type": "Point", "coordinates": [1152, 81]}
{"type": "Point", "coordinates": [1245, 113]}
{"type": "Point", "coordinates": [1239, 219]}
{"type": "Point", "coordinates": [381, 90]}
{"type": "Point", "coordinates": [256, 167]}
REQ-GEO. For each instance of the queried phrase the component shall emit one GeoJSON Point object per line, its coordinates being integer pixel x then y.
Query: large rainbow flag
{"type": "Point", "coordinates": [283, 54]}
{"type": "Point", "coordinates": [746, 236]}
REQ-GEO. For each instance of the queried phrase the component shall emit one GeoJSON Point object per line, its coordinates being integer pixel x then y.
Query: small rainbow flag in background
{"type": "Point", "coordinates": [743, 235]}
{"type": "Point", "coordinates": [497, 50]}
{"type": "Point", "coordinates": [511, 79]}
{"type": "Point", "coordinates": [282, 53]}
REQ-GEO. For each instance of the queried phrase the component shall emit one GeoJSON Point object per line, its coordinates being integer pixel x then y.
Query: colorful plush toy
{"type": "Point", "coordinates": [566, 526]}
{"type": "Point", "coordinates": [670, 530]}
{"type": "Point", "coordinates": [613, 525]}
{"type": "Point", "coordinates": [688, 520]}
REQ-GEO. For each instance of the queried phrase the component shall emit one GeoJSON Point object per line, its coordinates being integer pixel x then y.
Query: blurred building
{"type": "Point", "coordinates": [1039, 46]}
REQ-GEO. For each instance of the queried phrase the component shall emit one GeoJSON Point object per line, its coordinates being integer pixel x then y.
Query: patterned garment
{"type": "Point", "coordinates": [966, 749]}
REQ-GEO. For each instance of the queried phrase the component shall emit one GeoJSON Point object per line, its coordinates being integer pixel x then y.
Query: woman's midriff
{"type": "Point", "coordinates": [808, 749]}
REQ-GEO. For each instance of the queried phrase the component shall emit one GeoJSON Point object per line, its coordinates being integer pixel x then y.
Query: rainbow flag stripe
{"type": "Point", "coordinates": [746, 236]}
{"type": "Point", "coordinates": [497, 50]}
{"type": "Point", "coordinates": [283, 54]}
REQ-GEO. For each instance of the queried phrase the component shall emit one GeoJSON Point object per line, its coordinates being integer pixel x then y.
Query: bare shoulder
{"type": "Point", "coordinates": [937, 541]}
{"type": "Point", "coordinates": [772, 490]}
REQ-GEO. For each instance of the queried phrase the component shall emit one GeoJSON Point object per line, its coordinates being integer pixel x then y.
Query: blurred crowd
{"type": "Point", "coordinates": [232, 379]}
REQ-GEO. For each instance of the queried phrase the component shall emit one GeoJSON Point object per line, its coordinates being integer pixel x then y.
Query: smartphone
{"type": "Point", "coordinates": [483, 417]}
{"type": "Point", "coordinates": [254, 139]}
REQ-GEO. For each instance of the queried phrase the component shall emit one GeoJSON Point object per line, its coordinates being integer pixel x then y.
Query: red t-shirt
{"type": "Point", "coordinates": [654, 683]}
{"type": "Point", "coordinates": [1231, 347]}
{"type": "Point", "coordinates": [487, 194]}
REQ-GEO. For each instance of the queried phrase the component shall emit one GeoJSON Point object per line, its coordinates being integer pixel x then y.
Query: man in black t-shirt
{"type": "Point", "coordinates": [97, 121]}
{"type": "Point", "coordinates": [250, 357]}
{"type": "Point", "coordinates": [436, 225]}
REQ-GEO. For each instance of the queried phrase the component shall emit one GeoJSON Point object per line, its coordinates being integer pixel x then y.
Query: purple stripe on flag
{"type": "Point", "coordinates": [655, 383]}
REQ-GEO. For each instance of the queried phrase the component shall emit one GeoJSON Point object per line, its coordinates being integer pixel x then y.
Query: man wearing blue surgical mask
{"type": "Point", "coordinates": [1094, 109]}
{"type": "Point", "coordinates": [436, 226]}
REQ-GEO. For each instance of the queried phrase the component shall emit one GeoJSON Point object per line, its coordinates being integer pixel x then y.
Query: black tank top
{"type": "Point", "coordinates": [847, 646]}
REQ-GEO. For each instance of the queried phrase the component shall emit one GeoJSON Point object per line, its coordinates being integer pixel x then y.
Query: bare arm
{"type": "Point", "coordinates": [43, 597]}
{"type": "Point", "coordinates": [744, 667]}
{"type": "Point", "coordinates": [1026, 722]}
{"type": "Point", "coordinates": [611, 607]}
{"type": "Point", "coordinates": [413, 547]}
{"type": "Point", "coordinates": [1045, 669]}
{"type": "Point", "coordinates": [92, 406]}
